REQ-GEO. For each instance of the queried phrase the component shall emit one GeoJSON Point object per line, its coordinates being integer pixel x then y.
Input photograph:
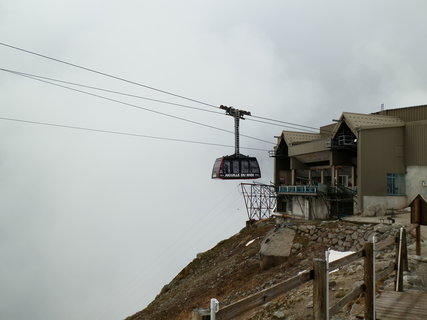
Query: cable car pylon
{"type": "Point", "coordinates": [237, 114]}
{"type": "Point", "coordinates": [236, 166]}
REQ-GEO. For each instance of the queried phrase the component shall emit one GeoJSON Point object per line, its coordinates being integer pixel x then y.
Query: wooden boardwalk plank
{"type": "Point", "coordinates": [402, 305]}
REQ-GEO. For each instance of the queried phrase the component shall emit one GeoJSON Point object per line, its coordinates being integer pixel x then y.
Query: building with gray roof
{"type": "Point", "coordinates": [363, 163]}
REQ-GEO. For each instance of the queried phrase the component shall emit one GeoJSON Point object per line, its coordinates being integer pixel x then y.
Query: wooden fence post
{"type": "Point", "coordinates": [369, 279]}
{"type": "Point", "coordinates": [320, 290]}
{"type": "Point", "coordinates": [418, 228]}
{"type": "Point", "coordinates": [418, 241]}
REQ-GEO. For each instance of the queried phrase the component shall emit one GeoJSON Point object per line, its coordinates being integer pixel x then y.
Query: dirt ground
{"type": "Point", "coordinates": [231, 271]}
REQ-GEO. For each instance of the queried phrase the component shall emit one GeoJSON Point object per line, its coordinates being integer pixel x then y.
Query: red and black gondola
{"type": "Point", "coordinates": [236, 167]}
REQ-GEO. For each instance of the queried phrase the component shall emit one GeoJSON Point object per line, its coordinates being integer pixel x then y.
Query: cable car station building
{"type": "Point", "coordinates": [362, 163]}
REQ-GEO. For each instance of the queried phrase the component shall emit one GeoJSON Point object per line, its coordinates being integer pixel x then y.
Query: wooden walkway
{"type": "Point", "coordinates": [402, 305]}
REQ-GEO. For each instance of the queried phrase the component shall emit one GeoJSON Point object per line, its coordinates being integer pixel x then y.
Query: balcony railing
{"type": "Point", "coordinates": [298, 189]}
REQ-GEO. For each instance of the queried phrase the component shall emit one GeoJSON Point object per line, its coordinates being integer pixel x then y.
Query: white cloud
{"type": "Point", "coordinates": [101, 221]}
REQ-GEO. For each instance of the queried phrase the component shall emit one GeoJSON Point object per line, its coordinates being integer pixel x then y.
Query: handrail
{"type": "Point", "coordinates": [262, 297]}
{"type": "Point", "coordinates": [346, 260]}
{"type": "Point", "coordinates": [392, 239]}
{"type": "Point", "coordinates": [298, 189]}
{"type": "Point", "coordinates": [257, 299]}
{"type": "Point", "coordinates": [383, 274]}
{"type": "Point", "coordinates": [386, 243]}
{"type": "Point", "coordinates": [346, 299]}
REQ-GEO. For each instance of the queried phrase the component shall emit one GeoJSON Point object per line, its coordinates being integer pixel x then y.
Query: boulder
{"type": "Point", "coordinates": [412, 281]}
{"type": "Point", "coordinates": [303, 228]}
{"type": "Point", "coordinates": [276, 247]}
{"type": "Point", "coordinates": [279, 315]}
{"type": "Point", "coordinates": [374, 211]}
{"type": "Point", "coordinates": [383, 228]}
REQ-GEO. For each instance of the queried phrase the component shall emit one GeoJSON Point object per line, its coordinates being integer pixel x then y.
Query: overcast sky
{"type": "Point", "coordinates": [92, 225]}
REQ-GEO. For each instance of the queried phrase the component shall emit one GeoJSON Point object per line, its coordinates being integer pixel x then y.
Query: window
{"type": "Point", "coordinates": [396, 184]}
{"type": "Point", "coordinates": [346, 140]}
{"type": "Point", "coordinates": [343, 180]}
{"type": "Point", "coordinates": [245, 166]}
{"type": "Point", "coordinates": [226, 166]}
{"type": "Point", "coordinates": [254, 166]}
{"type": "Point", "coordinates": [236, 167]}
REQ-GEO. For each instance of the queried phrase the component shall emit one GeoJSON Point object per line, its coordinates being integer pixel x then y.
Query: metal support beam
{"type": "Point", "coordinates": [260, 200]}
{"type": "Point", "coordinates": [237, 114]}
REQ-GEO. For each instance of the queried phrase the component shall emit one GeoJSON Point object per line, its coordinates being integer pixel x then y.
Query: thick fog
{"type": "Point", "coordinates": [93, 224]}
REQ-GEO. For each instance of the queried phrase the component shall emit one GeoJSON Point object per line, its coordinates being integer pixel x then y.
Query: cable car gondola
{"type": "Point", "coordinates": [236, 166]}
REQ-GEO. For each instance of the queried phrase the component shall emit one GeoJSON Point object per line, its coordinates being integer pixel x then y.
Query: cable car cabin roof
{"type": "Point", "coordinates": [236, 167]}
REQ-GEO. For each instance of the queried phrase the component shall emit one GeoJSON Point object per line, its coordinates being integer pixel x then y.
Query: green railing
{"type": "Point", "coordinates": [298, 189]}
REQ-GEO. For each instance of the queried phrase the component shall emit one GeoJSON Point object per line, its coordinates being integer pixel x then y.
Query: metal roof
{"type": "Point", "coordinates": [328, 130]}
{"type": "Point", "coordinates": [356, 121]}
{"type": "Point", "coordinates": [293, 137]}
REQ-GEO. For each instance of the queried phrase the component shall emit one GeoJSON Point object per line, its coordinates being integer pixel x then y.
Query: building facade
{"type": "Point", "coordinates": [362, 163]}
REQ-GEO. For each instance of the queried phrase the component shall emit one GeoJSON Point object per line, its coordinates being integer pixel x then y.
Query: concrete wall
{"type": "Point", "coordinates": [415, 176]}
{"type": "Point", "coordinates": [319, 210]}
{"type": "Point", "coordinates": [378, 206]}
{"type": "Point", "coordinates": [309, 208]}
{"type": "Point", "coordinates": [300, 207]}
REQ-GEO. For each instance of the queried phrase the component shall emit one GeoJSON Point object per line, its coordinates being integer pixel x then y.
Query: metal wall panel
{"type": "Point", "coordinates": [407, 114]}
{"type": "Point", "coordinates": [380, 151]}
{"type": "Point", "coordinates": [416, 143]}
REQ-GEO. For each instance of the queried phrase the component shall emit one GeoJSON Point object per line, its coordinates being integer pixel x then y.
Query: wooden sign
{"type": "Point", "coordinates": [419, 210]}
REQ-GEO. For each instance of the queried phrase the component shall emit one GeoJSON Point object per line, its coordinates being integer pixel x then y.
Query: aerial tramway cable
{"type": "Point", "coordinates": [236, 166]}
{"type": "Point", "coordinates": [284, 122]}
{"type": "Point", "coordinates": [279, 123]}
{"type": "Point", "coordinates": [106, 74]}
{"type": "Point", "coordinates": [122, 133]}
{"type": "Point", "coordinates": [139, 107]}
{"type": "Point", "coordinates": [107, 90]}
{"type": "Point", "coordinates": [146, 86]}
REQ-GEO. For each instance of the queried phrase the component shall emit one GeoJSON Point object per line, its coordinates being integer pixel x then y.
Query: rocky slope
{"type": "Point", "coordinates": [232, 270]}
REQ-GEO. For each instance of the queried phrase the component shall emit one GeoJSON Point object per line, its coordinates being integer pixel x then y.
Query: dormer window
{"type": "Point", "coordinates": [346, 140]}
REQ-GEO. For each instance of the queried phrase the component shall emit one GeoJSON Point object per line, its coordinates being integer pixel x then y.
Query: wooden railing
{"type": "Point", "coordinates": [319, 275]}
